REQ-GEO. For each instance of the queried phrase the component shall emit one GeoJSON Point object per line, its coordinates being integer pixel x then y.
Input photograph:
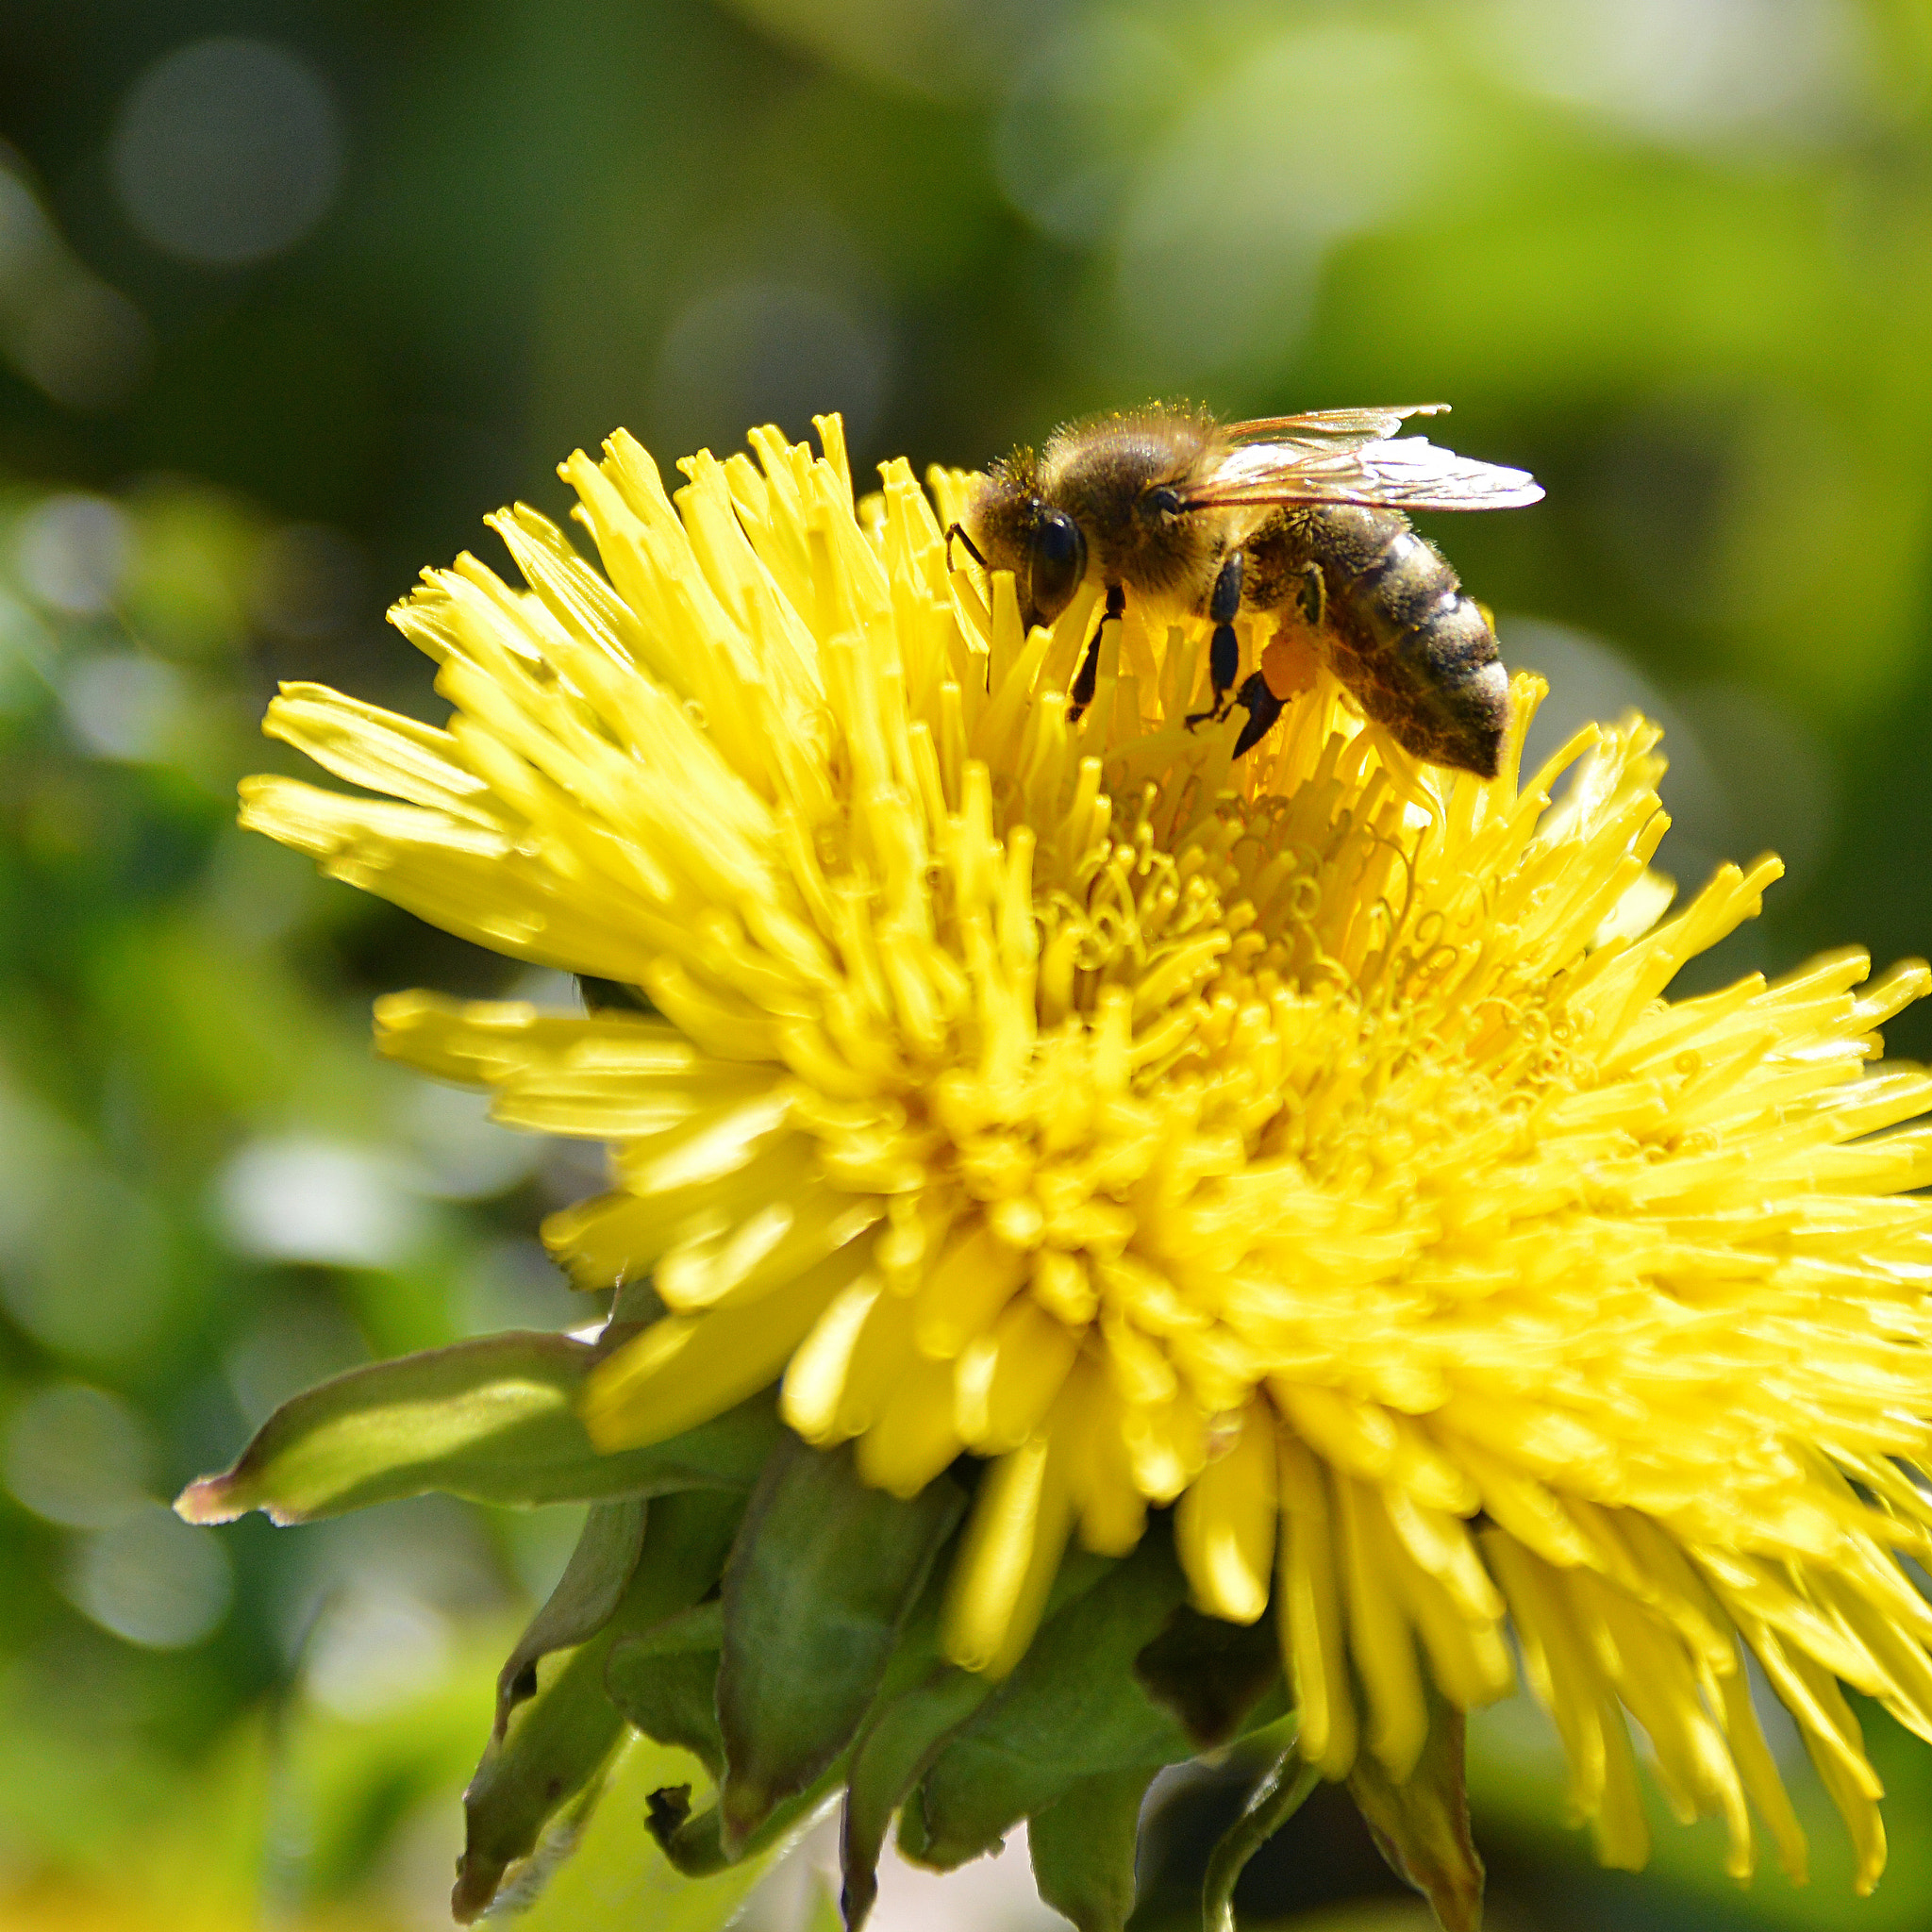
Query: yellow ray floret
{"type": "Point", "coordinates": [1306, 1141]}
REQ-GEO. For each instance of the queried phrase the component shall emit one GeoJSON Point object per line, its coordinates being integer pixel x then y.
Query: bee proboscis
{"type": "Point", "coordinates": [1302, 515]}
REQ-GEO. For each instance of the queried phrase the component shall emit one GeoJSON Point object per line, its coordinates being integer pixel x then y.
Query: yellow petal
{"type": "Point", "coordinates": [1012, 1547]}
{"type": "Point", "coordinates": [1006, 1379]}
{"type": "Point", "coordinates": [686, 1368]}
{"type": "Point", "coordinates": [1312, 1631]}
{"type": "Point", "coordinates": [1224, 1524]}
{"type": "Point", "coordinates": [915, 1436]}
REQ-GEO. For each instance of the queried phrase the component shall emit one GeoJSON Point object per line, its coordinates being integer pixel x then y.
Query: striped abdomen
{"type": "Point", "coordinates": [1418, 654]}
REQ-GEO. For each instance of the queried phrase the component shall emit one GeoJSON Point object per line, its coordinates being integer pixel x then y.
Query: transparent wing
{"type": "Point", "coordinates": [1408, 474]}
{"type": "Point", "coordinates": [1323, 429]}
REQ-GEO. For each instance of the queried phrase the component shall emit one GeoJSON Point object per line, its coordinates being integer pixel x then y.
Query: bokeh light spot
{"type": "Point", "coordinates": [124, 706]}
{"type": "Point", "coordinates": [71, 551]}
{"type": "Point", "coordinates": [227, 151]}
{"type": "Point", "coordinates": [27, 653]}
{"type": "Point", "coordinates": [86, 345]}
{"type": "Point", "coordinates": [1782, 73]}
{"type": "Point", "coordinates": [1237, 203]}
{"type": "Point", "coordinates": [77, 1456]}
{"type": "Point", "coordinates": [315, 1200]}
{"type": "Point", "coordinates": [373, 1649]}
{"type": "Point", "coordinates": [81, 342]}
{"type": "Point", "coordinates": [464, 1154]}
{"type": "Point", "coordinates": [27, 241]}
{"type": "Point", "coordinates": [1068, 140]}
{"type": "Point", "coordinates": [152, 1579]}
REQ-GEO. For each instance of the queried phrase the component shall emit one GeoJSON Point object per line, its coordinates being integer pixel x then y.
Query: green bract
{"type": "Point", "coordinates": [746, 1599]}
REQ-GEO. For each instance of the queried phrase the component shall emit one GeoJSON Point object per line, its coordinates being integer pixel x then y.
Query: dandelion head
{"type": "Point", "coordinates": [1296, 1157]}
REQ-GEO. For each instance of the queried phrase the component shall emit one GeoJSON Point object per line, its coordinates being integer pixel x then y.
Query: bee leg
{"type": "Point", "coordinates": [1087, 676]}
{"type": "Point", "coordinates": [1313, 596]}
{"type": "Point", "coordinates": [1263, 708]}
{"type": "Point", "coordinates": [1223, 649]}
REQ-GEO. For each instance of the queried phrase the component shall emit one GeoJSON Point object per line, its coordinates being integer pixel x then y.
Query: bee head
{"type": "Point", "coordinates": [1015, 528]}
{"type": "Point", "coordinates": [1124, 480]}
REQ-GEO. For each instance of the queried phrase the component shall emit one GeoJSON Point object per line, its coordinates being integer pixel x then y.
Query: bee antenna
{"type": "Point", "coordinates": [958, 531]}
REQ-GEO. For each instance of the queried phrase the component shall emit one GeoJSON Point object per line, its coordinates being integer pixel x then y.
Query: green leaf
{"type": "Point", "coordinates": [819, 1581]}
{"type": "Point", "coordinates": [494, 1420]}
{"type": "Point", "coordinates": [1422, 1826]}
{"type": "Point", "coordinates": [1073, 1709]}
{"type": "Point", "coordinates": [1083, 1848]}
{"type": "Point", "coordinates": [586, 1597]}
{"type": "Point", "coordinates": [558, 1742]}
{"type": "Point", "coordinates": [1213, 1675]}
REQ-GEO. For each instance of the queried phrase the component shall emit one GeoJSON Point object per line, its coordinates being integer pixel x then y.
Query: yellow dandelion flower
{"type": "Point", "coordinates": [1306, 1142]}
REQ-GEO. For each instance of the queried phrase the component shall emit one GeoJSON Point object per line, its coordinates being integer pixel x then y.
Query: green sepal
{"type": "Point", "coordinates": [635, 1303]}
{"type": "Point", "coordinates": [665, 1681]}
{"type": "Point", "coordinates": [1422, 1826]}
{"type": "Point", "coordinates": [494, 1420]}
{"type": "Point", "coordinates": [586, 1597]}
{"type": "Point", "coordinates": [893, 1749]}
{"type": "Point", "coordinates": [701, 1628]}
{"type": "Point", "coordinates": [558, 1742]}
{"type": "Point", "coordinates": [1073, 1709]}
{"type": "Point", "coordinates": [823, 1576]}
{"type": "Point", "coordinates": [553, 1748]}
{"type": "Point", "coordinates": [1083, 1847]}
{"type": "Point", "coordinates": [923, 1702]}
{"type": "Point", "coordinates": [923, 1699]}
{"type": "Point", "coordinates": [1213, 1675]}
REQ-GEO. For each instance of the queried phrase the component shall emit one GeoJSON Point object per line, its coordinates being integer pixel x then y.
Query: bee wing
{"type": "Point", "coordinates": [1323, 429]}
{"type": "Point", "coordinates": [1408, 474]}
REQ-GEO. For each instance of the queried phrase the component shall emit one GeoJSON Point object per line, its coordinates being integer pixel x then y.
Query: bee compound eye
{"type": "Point", "coordinates": [1060, 542]}
{"type": "Point", "coordinates": [1058, 562]}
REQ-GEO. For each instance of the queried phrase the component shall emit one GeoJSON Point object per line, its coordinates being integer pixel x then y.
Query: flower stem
{"type": "Point", "coordinates": [1269, 1806]}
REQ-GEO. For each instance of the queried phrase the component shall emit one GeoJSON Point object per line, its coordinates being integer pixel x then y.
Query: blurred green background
{"type": "Point", "coordinates": [291, 293]}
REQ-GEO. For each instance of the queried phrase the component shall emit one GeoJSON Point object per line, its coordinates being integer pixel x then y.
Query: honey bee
{"type": "Point", "coordinates": [1292, 515]}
